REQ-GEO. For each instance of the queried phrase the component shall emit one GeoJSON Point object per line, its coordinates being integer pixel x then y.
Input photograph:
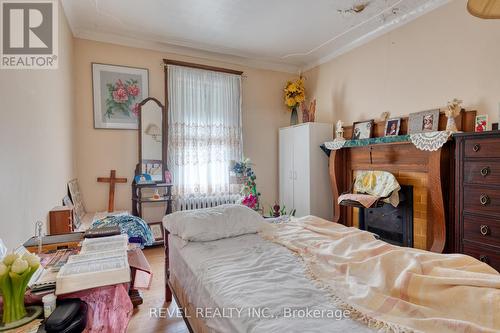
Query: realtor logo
{"type": "Point", "coordinates": [29, 34]}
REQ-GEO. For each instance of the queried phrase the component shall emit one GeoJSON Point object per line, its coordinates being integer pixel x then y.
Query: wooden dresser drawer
{"type": "Point", "coordinates": [488, 147]}
{"type": "Point", "coordinates": [486, 255]}
{"type": "Point", "coordinates": [482, 230]}
{"type": "Point", "coordinates": [482, 172]}
{"type": "Point", "coordinates": [483, 200]}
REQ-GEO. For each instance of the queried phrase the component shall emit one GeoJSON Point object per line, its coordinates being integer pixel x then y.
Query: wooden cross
{"type": "Point", "coordinates": [112, 180]}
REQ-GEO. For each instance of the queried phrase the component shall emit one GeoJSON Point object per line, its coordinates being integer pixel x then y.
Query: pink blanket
{"type": "Point", "coordinates": [109, 310]}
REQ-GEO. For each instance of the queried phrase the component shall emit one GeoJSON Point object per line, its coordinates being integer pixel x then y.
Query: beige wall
{"type": "Point", "coordinates": [100, 150]}
{"type": "Point", "coordinates": [422, 65]}
{"type": "Point", "coordinates": [36, 141]}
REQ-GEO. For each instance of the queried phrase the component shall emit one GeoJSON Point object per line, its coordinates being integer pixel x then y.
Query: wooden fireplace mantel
{"type": "Point", "coordinates": [403, 156]}
{"type": "Point", "coordinates": [395, 157]}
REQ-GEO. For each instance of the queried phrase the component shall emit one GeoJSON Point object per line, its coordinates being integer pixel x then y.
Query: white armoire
{"type": "Point", "coordinates": [303, 170]}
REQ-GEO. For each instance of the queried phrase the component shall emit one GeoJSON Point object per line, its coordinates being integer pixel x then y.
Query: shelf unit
{"type": "Point", "coordinates": [138, 200]}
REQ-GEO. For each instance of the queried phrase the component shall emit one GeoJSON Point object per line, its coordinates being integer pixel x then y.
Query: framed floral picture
{"type": "Point", "coordinates": [117, 92]}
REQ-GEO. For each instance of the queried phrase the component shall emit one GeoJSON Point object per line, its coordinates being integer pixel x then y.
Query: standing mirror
{"type": "Point", "coordinates": [151, 139]}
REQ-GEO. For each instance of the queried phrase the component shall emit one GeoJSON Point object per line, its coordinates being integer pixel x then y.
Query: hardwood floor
{"type": "Point", "coordinates": [144, 318]}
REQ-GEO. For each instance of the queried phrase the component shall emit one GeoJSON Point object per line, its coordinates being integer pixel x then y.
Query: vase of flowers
{"type": "Point", "coordinates": [295, 94]}
{"type": "Point", "coordinates": [15, 273]}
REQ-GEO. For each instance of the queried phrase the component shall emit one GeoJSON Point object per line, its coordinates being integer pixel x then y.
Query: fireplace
{"type": "Point", "coordinates": [392, 224]}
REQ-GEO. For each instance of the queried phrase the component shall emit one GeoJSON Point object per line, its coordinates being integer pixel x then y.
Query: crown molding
{"type": "Point", "coordinates": [186, 51]}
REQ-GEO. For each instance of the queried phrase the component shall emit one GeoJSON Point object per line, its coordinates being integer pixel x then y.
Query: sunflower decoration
{"type": "Point", "coordinates": [295, 93]}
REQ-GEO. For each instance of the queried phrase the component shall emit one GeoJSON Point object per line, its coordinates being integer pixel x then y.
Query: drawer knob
{"type": "Point", "coordinates": [484, 230]}
{"type": "Point", "coordinates": [484, 258]}
{"type": "Point", "coordinates": [485, 171]}
{"type": "Point", "coordinates": [484, 199]}
{"type": "Point", "coordinates": [476, 147]}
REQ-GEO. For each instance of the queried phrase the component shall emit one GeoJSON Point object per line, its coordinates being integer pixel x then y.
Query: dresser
{"type": "Point", "coordinates": [303, 170]}
{"type": "Point", "coordinates": [477, 196]}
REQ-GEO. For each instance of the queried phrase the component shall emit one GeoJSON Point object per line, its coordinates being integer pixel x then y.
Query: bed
{"type": "Point", "coordinates": [247, 283]}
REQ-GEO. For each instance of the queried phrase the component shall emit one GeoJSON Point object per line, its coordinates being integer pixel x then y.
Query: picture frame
{"type": "Point", "coordinates": [153, 168]}
{"type": "Point", "coordinates": [481, 123]}
{"type": "Point", "coordinates": [362, 130]}
{"type": "Point", "coordinates": [424, 121]}
{"type": "Point", "coordinates": [76, 198]}
{"type": "Point", "coordinates": [157, 230]}
{"type": "Point", "coordinates": [116, 93]}
{"type": "Point", "coordinates": [392, 127]}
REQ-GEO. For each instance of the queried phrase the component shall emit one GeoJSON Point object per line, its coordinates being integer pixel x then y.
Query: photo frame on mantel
{"type": "Point", "coordinates": [117, 92]}
{"type": "Point", "coordinates": [424, 121]}
{"type": "Point", "coordinates": [362, 130]}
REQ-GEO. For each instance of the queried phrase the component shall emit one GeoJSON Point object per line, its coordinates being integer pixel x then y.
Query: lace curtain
{"type": "Point", "coordinates": [204, 130]}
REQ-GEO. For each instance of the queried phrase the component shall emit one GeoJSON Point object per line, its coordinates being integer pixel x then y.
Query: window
{"type": "Point", "coordinates": [204, 130]}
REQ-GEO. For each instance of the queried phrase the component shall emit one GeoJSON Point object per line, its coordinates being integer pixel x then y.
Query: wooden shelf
{"type": "Point", "coordinates": [164, 199]}
{"type": "Point", "coordinates": [153, 185]}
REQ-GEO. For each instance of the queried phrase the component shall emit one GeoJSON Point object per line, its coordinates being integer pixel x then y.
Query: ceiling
{"type": "Point", "coordinates": [290, 35]}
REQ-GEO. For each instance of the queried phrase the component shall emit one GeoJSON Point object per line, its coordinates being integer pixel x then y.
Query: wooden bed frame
{"type": "Point", "coordinates": [169, 290]}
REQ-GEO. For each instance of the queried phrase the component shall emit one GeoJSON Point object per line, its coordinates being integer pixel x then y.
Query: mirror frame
{"type": "Point", "coordinates": [138, 169]}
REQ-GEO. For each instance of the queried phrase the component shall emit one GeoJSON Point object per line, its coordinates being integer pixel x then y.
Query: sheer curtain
{"type": "Point", "coordinates": [204, 130]}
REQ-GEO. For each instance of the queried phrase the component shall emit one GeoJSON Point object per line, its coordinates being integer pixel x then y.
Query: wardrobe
{"type": "Point", "coordinates": [304, 182]}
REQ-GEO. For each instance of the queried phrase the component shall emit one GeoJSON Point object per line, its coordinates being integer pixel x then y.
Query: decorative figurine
{"type": "Point", "coordinates": [453, 110]}
{"type": "Point", "coordinates": [339, 131]}
{"type": "Point", "coordinates": [384, 116]}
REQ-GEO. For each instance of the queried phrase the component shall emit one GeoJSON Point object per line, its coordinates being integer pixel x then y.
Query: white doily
{"type": "Point", "coordinates": [430, 141]}
{"type": "Point", "coordinates": [335, 144]}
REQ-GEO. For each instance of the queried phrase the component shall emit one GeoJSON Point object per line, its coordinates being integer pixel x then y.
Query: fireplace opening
{"type": "Point", "coordinates": [392, 224]}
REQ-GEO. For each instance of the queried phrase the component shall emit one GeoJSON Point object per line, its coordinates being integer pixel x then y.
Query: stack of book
{"type": "Point", "coordinates": [102, 261]}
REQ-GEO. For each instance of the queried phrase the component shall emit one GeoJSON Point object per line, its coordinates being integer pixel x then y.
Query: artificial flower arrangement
{"type": "Point", "coordinates": [15, 273]}
{"type": "Point", "coordinates": [249, 192]}
{"type": "Point", "coordinates": [295, 94]}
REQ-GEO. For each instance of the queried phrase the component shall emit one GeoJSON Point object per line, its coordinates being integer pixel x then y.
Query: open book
{"type": "Point", "coordinates": [101, 262]}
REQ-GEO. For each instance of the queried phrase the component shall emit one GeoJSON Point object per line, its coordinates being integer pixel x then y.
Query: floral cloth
{"type": "Point", "coordinates": [379, 184]}
{"type": "Point", "coordinates": [131, 225]}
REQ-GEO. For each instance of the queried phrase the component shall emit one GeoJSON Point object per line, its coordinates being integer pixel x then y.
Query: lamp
{"type": "Point", "coordinates": [154, 131]}
{"type": "Point", "coordinates": [486, 9]}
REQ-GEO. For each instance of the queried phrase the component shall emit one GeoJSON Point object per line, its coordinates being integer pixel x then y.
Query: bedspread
{"type": "Point", "coordinates": [392, 288]}
{"type": "Point", "coordinates": [131, 225]}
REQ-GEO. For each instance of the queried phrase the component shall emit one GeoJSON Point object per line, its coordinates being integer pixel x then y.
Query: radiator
{"type": "Point", "coordinates": [205, 201]}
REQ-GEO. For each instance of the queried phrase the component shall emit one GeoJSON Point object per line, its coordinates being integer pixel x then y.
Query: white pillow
{"type": "Point", "coordinates": [213, 223]}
